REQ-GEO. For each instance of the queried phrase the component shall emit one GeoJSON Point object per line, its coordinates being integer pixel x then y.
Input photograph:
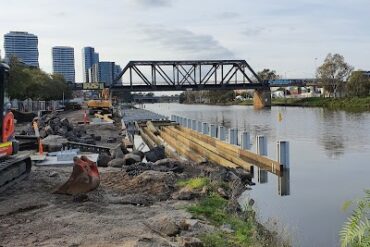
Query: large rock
{"type": "Point", "coordinates": [131, 159]}
{"type": "Point", "coordinates": [165, 225]}
{"type": "Point", "coordinates": [118, 163]}
{"type": "Point", "coordinates": [103, 160]}
{"type": "Point", "coordinates": [117, 153]}
{"type": "Point", "coordinates": [169, 165]}
{"type": "Point", "coordinates": [155, 154]}
{"type": "Point", "coordinates": [137, 152]}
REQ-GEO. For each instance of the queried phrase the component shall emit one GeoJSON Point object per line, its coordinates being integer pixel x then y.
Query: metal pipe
{"type": "Point", "coordinates": [246, 144]}
{"type": "Point", "coordinates": [205, 128]}
{"type": "Point", "coordinates": [213, 130]}
{"type": "Point", "coordinates": [283, 153]}
{"type": "Point", "coordinates": [221, 133]}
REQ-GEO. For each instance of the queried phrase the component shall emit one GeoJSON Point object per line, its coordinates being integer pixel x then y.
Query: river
{"type": "Point", "coordinates": [329, 164]}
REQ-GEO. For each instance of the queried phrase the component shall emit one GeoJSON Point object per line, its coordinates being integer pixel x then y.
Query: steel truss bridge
{"type": "Point", "coordinates": [187, 75]}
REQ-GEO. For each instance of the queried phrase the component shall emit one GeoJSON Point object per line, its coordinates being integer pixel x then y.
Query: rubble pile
{"type": "Point", "coordinates": [53, 125]}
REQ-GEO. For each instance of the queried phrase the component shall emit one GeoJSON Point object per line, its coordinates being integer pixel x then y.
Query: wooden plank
{"type": "Point", "coordinates": [156, 140]}
{"type": "Point", "coordinates": [181, 149]}
{"type": "Point", "coordinates": [231, 158]}
{"type": "Point", "coordinates": [199, 149]}
{"type": "Point", "coordinates": [151, 144]}
{"type": "Point", "coordinates": [258, 160]}
{"type": "Point", "coordinates": [152, 128]}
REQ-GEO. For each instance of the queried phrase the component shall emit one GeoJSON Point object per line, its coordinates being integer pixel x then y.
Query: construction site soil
{"type": "Point", "coordinates": [136, 209]}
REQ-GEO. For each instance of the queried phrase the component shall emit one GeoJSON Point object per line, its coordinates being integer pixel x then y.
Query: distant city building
{"type": "Point", "coordinates": [94, 75]}
{"type": "Point", "coordinates": [64, 62]}
{"type": "Point", "coordinates": [366, 73]}
{"type": "Point", "coordinates": [89, 58]}
{"type": "Point", "coordinates": [22, 45]}
{"type": "Point", "coordinates": [106, 72]}
{"type": "Point", "coordinates": [117, 71]}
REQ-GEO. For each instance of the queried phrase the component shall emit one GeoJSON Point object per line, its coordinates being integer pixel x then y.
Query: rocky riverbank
{"type": "Point", "coordinates": [160, 203]}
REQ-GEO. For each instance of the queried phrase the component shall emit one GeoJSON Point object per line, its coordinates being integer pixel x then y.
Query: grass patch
{"type": "Point", "coordinates": [194, 183]}
{"type": "Point", "coordinates": [213, 208]}
{"type": "Point", "coordinates": [354, 104]}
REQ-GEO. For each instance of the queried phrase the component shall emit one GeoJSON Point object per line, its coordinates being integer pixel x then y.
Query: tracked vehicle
{"type": "Point", "coordinates": [13, 166]}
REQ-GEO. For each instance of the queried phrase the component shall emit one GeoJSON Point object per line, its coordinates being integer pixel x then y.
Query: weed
{"type": "Point", "coordinates": [194, 183]}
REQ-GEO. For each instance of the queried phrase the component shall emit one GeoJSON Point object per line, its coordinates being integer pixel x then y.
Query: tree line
{"type": "Point", "coordinates": [339, 78]}
{"type": "Point", "coordinates": [27, 82]}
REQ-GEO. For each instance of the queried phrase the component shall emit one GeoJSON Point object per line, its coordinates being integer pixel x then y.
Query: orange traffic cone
{"type": "Point", "coordinates": [85, 118]}
{"type": "Point", "coordinates": [41, 148]}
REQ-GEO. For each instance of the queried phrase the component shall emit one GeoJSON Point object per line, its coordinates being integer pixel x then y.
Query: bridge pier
{"type": "Point", "coordinates": [262, 98]}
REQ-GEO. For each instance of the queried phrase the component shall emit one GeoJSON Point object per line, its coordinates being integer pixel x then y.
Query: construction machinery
{"type": "Point", "coordinates": [13, 166]}
{"type": "Point", "coordinates": [103, 104]}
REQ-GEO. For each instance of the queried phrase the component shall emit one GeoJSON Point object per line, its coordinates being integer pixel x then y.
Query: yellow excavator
{"type": "Point", "coordinates": [103, 104]}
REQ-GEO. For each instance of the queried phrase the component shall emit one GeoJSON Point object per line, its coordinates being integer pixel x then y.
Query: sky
{"type": "Point", "coordinates": [291, 37]}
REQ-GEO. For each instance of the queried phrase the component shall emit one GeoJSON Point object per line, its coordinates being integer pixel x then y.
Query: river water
{"type": "Point", "coordinates": [329, 164]}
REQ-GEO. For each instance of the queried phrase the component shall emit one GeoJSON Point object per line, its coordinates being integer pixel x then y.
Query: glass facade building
{"type": "Point", "coordinates": [106, 72]}
{"type": "Point", "coordinates": [22, 45]}
{"type": "Point", "coordinates": [64, 62]}
{"type": "Point", "coordinates": [117, 70]}
{"type": "Point", "coordinates": [89, 58]}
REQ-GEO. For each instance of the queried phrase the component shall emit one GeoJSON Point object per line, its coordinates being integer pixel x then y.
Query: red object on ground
{"type": "Point", "coordinates": [86, 119]}
{"type": "Point", "coordinates": [41, 148]}
{"type": "Point", "coordinates": [84, 178]}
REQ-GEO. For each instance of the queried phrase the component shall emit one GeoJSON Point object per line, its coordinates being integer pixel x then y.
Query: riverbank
{"type": "Point", "coordinates": [345, 104]}
{"type": "Point", "coordinates": [166, 203]}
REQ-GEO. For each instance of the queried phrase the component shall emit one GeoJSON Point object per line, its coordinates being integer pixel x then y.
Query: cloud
{"type": "Point", "coordinates": [253, 31]}
{"type": "Point", "coordinates": [154, 3]}
{"type": "Point", "coordinates": [228, 15]}
{"type": "Point", "coordinates": [186, 43]}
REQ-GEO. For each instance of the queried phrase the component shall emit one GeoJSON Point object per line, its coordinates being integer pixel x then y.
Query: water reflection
{"type": "Point", "coordinates": [332, 130]}
{"type": "Point", "coordinates": [262, 176]}
{"type": "Point", "coordinates": [284, 183]}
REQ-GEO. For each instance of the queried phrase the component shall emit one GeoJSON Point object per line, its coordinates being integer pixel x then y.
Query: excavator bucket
{"type": "Point", "coordinates": [84, 178]}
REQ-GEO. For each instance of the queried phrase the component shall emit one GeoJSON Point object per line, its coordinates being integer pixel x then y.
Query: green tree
{"type": "Point", "coordinates": [267, 74]}
{"type": "Point", "coordinates": [333, 73]}
{"type": "Point", "coordinates": [358, 84]}
{"type": "Point", "coordinates": [26, 82]}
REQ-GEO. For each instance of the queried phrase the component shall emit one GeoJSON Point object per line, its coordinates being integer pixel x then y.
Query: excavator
{"type": "Point", "coordinates": [104, 104]}
{"type": "Point", "coordinates": [13, 166]}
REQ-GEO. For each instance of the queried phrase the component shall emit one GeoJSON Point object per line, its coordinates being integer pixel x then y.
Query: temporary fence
{"type": "Point", "coordinates": [29, 105]}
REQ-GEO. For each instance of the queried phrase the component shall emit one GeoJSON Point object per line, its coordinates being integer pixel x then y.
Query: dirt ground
{"type": "Point", "coordinates": [30, 215]}
{"type": "Point", "coordinates": [112, 215]}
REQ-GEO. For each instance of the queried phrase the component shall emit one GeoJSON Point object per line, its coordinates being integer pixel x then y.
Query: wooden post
{"type": "Point", "coordinates": [206, 150]}
{"type": "Point", "coordinates": [247, 155]}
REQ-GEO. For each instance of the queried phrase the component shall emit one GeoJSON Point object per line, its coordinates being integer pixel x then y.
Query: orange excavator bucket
{"type": "Point", "coordinates": [84, 178]}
